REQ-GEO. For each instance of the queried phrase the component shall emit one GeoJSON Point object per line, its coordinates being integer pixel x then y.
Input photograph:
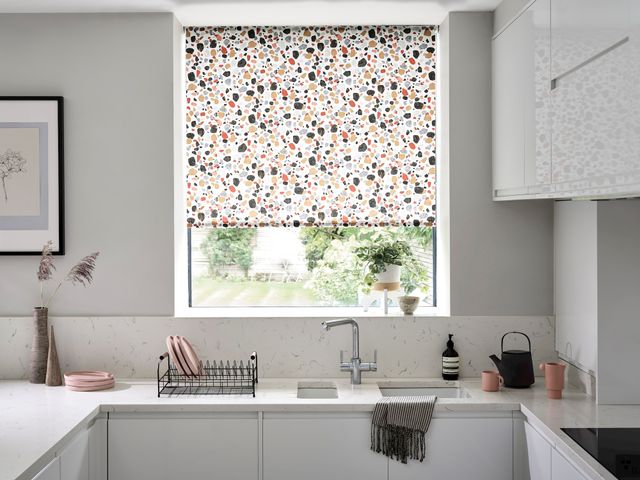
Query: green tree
{"type": "Point", "coordinates": [229, 246]}
{"type": "Point", "coordinates": [336, 277]}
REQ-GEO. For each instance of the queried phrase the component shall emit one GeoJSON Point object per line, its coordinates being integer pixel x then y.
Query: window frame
{"type": "Point", "coordinates": [182, 264]}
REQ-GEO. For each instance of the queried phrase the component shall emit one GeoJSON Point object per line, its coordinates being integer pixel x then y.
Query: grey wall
{"type": "Point", "coordinates": [618, 302]}
{"type": "Point", "coordinates": [501, 253]}
{"type": "Point", "coordinates": [115, 72]}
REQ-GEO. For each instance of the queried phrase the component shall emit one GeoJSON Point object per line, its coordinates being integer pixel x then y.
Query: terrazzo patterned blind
{"type": "Point", "coordinates": [310, 126]}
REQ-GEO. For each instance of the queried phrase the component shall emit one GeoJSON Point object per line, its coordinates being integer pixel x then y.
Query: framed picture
{"type": "Point", "coordinates": [31, 175]}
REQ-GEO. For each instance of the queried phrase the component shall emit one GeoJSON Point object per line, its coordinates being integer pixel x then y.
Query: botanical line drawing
{"type": "Point", "coordinates": [11, 162]}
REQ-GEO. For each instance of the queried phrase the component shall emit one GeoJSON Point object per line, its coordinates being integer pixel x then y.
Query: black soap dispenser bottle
{"type": "Point", "coordinates": [450, 361]}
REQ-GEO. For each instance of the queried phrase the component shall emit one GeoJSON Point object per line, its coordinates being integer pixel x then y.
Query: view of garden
{"type": "Point", "coordinates": [312, 266]}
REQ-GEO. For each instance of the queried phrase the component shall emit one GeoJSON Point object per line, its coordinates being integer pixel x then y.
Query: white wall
{"type": "Point", "coordinates": [501, 253]}
{"type": "Point", "coordinates": [576, 282]}
{"type": "Point", "coordinates": [115, 72]}
{"type": "Point", "coordinates": [597, 301]}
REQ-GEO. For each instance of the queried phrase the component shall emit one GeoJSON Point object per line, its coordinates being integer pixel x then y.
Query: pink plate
{"type": "Point", "coordinates": [79, 383]}
{"type": "Point", "coordinates": [90, 389]}
{"type": "Point", "coordinates": [171, 346]}
{"type": "Point", "coordinates": [88, 376]}
{"type": "Point", "coordinates": [193, 362]}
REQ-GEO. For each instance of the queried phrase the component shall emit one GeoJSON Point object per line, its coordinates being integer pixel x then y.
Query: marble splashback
{"type": "Point", "coordinates": [287, 347]}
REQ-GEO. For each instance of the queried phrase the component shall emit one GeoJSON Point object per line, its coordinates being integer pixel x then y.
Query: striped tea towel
{"type": "Point", "coordinates": [399, 425]}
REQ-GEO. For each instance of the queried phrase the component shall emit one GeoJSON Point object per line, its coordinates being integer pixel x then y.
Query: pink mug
{"type": "Point", "coordinates": [491, 381]}
{"type": "Point", "coordinates": [553, 378]}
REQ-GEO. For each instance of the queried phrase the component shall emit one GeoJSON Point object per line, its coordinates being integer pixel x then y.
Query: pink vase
{"type": "Point", "coordinates": [553, 378]}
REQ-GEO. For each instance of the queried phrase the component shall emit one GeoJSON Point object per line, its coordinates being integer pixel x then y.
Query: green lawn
{"type": "Point", "coordinates": [210, 292]}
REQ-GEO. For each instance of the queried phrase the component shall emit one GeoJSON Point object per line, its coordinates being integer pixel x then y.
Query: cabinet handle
{"type": "Point", "coordinates": [619, 43]}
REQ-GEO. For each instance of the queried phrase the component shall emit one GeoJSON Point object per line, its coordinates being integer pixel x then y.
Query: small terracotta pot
{"type": "Point", "coordinates": [553, 379]}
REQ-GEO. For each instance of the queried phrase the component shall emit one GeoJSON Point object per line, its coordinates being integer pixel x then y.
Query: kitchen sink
{"type": "Point", "coordinates": [317, 390]}
{"type": "Point", "coordinates": [444, 391]}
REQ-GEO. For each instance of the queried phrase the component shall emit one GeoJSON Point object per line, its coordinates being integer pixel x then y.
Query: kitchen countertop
{"type": "Point", "coordinates": [35, 420]}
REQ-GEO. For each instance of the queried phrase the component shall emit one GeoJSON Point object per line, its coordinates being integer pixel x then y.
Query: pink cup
{"type": "Point", "coordinates": [491, 381]}
{"type": "Point", "coordinates": [553, 378]}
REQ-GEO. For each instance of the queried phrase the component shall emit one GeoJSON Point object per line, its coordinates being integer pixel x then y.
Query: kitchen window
{"type": "Point", "coordinates": [305, 145]}
{"type": "Point", "coordinates": [300, 267]}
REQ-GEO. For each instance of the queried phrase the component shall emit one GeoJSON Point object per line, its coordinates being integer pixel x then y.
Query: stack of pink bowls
{"type": "Point", "coordinates": [88, 381]}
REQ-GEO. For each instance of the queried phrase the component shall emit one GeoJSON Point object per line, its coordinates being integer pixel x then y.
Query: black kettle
{"type": "Point", "coordinates": [516, 366]}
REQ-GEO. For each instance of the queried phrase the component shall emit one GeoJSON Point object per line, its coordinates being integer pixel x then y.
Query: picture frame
{"type": "Point", "coordinates": [31, 174]}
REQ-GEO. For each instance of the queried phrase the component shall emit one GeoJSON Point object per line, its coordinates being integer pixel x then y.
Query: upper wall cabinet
{"type": "Point", "coordinates": [586, 101]}
{"type": "Point", "coordinates": [521, 99]}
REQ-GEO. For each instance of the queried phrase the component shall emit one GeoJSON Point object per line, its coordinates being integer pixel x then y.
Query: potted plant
{"type": "Point", "coordinates": [382, 261]}
{"type": "Point", "coordinates": [390, 263]}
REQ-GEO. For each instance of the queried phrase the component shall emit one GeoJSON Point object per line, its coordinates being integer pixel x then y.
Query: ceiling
{"type": "Point", "coordinates": [268, 12]}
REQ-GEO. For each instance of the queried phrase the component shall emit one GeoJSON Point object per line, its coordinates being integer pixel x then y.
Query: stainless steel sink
{"type": "Point", "coordinates": [444, 391]}
{"type": "Point", "coordinates": [317, 390]}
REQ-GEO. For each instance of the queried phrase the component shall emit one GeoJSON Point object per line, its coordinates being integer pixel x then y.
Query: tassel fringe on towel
{"type": "Point", "coordinates": [399, 425]}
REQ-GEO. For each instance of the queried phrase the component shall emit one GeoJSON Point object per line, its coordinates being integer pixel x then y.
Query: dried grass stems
{"type": "Point", "coordinates": [81, 273]}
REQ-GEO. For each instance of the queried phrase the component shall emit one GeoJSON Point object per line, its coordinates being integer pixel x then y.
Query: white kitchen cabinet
{"type": "Point", "coordinates": [98, 450]}
{"type": "Point", "coordinates": [539, 454]}
{"type": "Point", "coordinates": [50, 472]}
{"type": "Point", "coordinates": [582, 29]}
{"type": "Point", "coordinates": [320, 446]}
{"type": "Point", "coordinates": [562, 470]}
{"type": "Point", "coordinates": [508, 119]}
{"type": "Point", "coordinates": [74, 459]}
{"type": "Point", "coordinates": [184, 446]}
{"type": "Point", "coordinates": [520, 455]}
{"type": "Point", "coordinates": [565, 71]}
{"type": "Point", "coordinates": [460, 448]}
{"type": "Point", "coordinates": [592, 144]}
{"type": "Point", "coordinates": [521, 102]}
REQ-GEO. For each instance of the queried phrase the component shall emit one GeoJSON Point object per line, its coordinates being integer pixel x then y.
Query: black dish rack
{"type": "Point", "coordinates": [223, 378]}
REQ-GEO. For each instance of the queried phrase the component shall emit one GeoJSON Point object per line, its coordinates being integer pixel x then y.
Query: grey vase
{"type": "Point", "coordinates": [40, 345]}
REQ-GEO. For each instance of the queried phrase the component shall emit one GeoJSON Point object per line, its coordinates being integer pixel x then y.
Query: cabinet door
{"type": "Point", "coordinates": [521, 104]}
{"type": "Point", "coordinates": [591, 109]}
{"type": "Point", "coordinates": [50, 472]}
{"type": "Point", "coordinates": [98, 450]}
{"type": "Point", "coordinates": [508, 118]}
{"type": "Point", "coordinates": [463, 449]}
{"type": "Point", "coordinates": [536, 92]}
{"type": "Point", "coordinates": [74, 459]}
{"type": "Point", "coordinates": [320, 447]}
{"type": "Point", "coordinates": [562, 469]}
{"type": "Point", "coordinates": [595, 119]}
{"type": "Point", "coordinates": [224, 447]}
{"type": "Point", "coordinates": [583, 28]}
{"type": "Point", "coordinates": [539, 453]}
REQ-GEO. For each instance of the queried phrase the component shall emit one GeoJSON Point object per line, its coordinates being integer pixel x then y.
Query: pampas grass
{"type": "Point", "coordinates": [81, 273]}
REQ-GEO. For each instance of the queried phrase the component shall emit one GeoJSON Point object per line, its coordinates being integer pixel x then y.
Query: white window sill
{"type": "Point", "coordinates": [300, 312]}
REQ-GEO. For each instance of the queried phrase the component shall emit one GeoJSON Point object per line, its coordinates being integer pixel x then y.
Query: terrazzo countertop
{"type": "Point", "coordinates": [36, 420]}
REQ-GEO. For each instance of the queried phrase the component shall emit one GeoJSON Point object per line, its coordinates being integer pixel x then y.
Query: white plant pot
{"type": "Point", "coordinates": [390, 275]}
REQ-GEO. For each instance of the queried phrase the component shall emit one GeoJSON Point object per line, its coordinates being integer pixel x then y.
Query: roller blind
{"type": "Point", "coordinates": [310, 126]}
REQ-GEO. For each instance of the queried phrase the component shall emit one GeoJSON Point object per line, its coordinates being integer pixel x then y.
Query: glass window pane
{"type": "Point", "coordinates": [302, 267]}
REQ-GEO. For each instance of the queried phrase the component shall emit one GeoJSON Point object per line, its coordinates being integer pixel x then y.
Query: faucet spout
{"type": "Point", "coordinates": [355, 366]}
{"type": "Point", "coordinates": [355, 332]}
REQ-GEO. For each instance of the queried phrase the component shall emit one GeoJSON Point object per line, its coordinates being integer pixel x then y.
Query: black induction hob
{"type": "Point", "coordinates": [616, 449]}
